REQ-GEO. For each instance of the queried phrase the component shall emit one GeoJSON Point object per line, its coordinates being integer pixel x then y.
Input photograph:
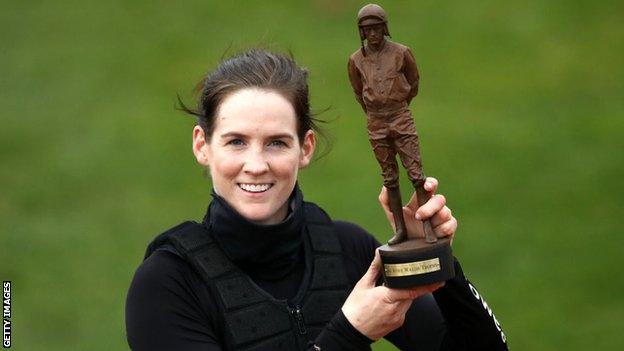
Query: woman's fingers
{"type": "Point", "coordinates": [431, 207]}
{"type": "Point", "coordinates": [385, 204]}
{"type": "Point", "coordinates": [442, 216]}
{"type": "Point", "coordinates": [447, 228]}
{"type": "Point", "coordinates": [397, 295]}
{"type": "Point", "coordinates": [369, 278]}
{"type": "Point", "coordinates": [383, 199]}
{"type": "Point", "coordinates": [434, 209]}
{"type": "Point", "coordinates": [431, 186]}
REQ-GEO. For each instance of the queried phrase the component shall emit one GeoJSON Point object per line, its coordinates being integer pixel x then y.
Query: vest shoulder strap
{"type": "Point", "coordinates": [163, 238]}
{"type": "Point", "coordinates": [321, 231]}
{"type": "Point", "coordinates": [329, 284]}
{"type": "Point", "coordinates": [194, 244]}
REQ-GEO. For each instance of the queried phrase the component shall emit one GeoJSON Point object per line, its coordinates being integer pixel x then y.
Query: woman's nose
{"type": "Point", "coordinates": [255, 163]}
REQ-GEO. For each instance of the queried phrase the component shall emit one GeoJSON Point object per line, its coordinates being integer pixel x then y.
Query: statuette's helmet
{"type": "Point", "coordinates": [371, 15]}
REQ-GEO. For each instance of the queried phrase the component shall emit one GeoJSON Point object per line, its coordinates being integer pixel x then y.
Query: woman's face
{"type": "Point", "coordinates": [254, 153]}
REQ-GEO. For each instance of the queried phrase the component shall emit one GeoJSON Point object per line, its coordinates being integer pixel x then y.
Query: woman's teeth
{"type": "Point", "coordinates": [254, 188]}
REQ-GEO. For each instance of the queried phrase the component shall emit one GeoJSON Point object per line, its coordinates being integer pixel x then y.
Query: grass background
{"type": "Point", "coordinates": [520, 115]}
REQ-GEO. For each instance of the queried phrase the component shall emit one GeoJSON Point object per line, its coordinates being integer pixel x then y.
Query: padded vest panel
{"type": "Point", "coordinates": [328, 273]}
{"type": "Point", "coordinates": [191, 239]}
{"type": "Point", "coordinates": [257, 322]}
{"type": "Point", "coordinates": [237, 292]}
{"type": "Point", "coordinates": [322, 241]}
{"type": "Point", "coordinates": [212, 262]}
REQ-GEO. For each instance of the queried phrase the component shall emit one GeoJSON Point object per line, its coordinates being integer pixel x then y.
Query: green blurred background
{"type": "Point", "coordinates": [520, 115]}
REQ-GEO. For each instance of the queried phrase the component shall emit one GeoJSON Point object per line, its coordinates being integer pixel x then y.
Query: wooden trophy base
{"type": "Point", "coordinates": [415, 262]}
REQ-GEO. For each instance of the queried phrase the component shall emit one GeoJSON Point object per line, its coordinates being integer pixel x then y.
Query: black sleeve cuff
{"type": "Point", "coordinates": [341, 335]}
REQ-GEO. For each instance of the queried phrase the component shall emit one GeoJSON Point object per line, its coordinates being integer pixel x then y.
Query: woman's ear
{"type": "Point", "coordinates": [200, 146]}
{"type": "Point", "coordinates": [308, 146]}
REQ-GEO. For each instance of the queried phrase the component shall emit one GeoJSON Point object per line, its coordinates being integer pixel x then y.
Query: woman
{"type": "Point", "coordinates": [266, 270]}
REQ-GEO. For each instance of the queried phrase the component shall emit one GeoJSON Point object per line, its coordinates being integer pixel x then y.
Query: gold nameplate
{"type": "Point", "coordinates": [412, 268]}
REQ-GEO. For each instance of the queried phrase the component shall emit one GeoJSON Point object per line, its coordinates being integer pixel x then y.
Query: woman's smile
{"type": "Point", "coordinates": [255, 188]}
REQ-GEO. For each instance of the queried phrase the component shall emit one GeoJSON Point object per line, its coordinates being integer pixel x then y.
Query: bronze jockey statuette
{"type": "Point", "coordinates": [385, 79]}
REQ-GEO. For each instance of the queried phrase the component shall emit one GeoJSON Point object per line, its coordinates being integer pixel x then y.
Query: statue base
{"type": "Point", "coordinates": [415, 262]}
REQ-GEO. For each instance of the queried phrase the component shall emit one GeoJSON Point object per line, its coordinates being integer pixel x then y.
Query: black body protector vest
{"type": "Point", "coordinates": [254, 319]}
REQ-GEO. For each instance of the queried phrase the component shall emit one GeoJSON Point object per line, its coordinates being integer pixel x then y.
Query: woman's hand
{"type": "Point", "coordinates": [442, 220]}
{"type": "Point", "coordinates": [377, 310]}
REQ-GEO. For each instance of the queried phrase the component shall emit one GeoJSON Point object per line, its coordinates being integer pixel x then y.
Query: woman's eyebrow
{"type": "Point", "coordinates": [281, 136]}
{"type": "Point", "coordinates": [239, 135]}
{"type": "Point", "coordinates": [232, 135]}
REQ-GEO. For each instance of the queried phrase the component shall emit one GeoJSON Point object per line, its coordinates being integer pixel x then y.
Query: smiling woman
{"type": "Point", "coordinates": [254, 158]}
{"type": "Point", "coordinates": [266, 270]}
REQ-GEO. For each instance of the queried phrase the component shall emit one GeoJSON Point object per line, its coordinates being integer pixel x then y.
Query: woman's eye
{"type": "Point", "coordinates": [278, 143]}
{"type": "Point", "coordinates": [235, 142]}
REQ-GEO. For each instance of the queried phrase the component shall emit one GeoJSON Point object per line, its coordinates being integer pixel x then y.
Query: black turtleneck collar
{"type": "Point", "coordinates": [264, 251]}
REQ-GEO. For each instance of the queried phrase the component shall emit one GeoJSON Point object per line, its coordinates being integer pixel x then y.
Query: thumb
{"type": "Point", "coordinates": [372, 274]}
{"type": "Point", "coordinates": [383, 199]}
{"type": "Point", "coordinates": [385, 205]}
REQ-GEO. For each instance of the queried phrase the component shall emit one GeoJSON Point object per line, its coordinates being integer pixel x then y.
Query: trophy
{"type": "Point", "coordinates": [385, 78]}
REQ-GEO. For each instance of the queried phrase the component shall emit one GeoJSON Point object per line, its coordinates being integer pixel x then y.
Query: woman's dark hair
{"type": "Point", "coordinates": [255, 69]}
